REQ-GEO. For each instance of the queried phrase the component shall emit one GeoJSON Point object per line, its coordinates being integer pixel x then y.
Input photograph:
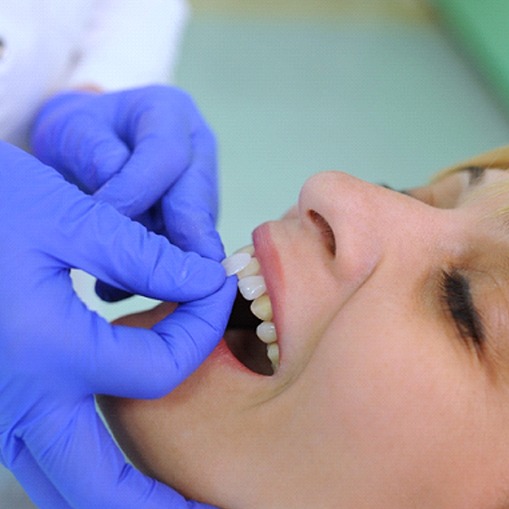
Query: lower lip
{"type": "Point", "coordinates": [222, 356]}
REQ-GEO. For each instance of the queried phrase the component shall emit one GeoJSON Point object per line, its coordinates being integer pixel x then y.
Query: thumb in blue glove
{"type": "Point", "coordinates": [56, 354]}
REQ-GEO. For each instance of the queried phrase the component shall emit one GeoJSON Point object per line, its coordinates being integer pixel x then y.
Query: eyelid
{"type": "Point", "coordinates": [457, 296]}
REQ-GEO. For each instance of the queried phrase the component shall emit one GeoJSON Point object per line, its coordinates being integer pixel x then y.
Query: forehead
{"type": "Point", "coordinates": [486, 189]}
{"type": "Point", "coordinates": [482, 175]}
{"type": "Point", "coordinates": [466, 187]}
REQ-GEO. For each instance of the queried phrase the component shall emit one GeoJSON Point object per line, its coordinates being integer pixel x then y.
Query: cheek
{"type": "Point", "coordinates": [395, 404]}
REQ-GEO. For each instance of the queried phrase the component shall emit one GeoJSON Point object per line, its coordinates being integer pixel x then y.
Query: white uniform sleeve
{"type": "Point", "coordinates": [130, 43]}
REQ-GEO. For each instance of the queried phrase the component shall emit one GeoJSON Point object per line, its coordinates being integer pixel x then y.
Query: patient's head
{"type": "Point", "coordinates": [392, 320]}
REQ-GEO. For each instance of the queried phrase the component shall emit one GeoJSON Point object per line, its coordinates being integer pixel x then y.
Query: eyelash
{"type": "Point", "coordinates": [457, 297]}
{"type": "Point", "coordinates": [456, 293]}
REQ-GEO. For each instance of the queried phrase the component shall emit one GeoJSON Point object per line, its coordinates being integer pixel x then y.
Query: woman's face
{"type": "Point", "coordinates": [392, 318]}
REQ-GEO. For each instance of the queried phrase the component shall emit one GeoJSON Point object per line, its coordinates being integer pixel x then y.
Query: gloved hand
{"type": "Point", "coordinates": [146, 151]}
{"type": "Point", "coordinates": [55, 353]}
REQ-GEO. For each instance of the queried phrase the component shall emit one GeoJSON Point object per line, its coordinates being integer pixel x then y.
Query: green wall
{"type": "Point", "coordinates": [481, 30]}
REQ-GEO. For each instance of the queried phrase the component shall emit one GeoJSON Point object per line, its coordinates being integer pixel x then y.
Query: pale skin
{"type": "Point", "coordinates": [390, 394]}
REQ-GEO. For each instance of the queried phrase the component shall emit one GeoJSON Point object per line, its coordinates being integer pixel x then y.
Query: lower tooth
{"type": "Point", "coordinates": [266, 331]}
{"type": "Point", "coordinates": [273, 355]}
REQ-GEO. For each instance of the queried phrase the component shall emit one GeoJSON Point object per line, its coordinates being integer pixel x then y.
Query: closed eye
{"type": "Point", "coordinates": [457, 297]}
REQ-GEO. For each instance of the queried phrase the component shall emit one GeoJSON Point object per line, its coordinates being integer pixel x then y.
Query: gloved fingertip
{"type": "Point", "coordinates": [207, 244]}
{"type": "Point", "coordinates": [109, 293]}
{"type": "Point", "coordinates": [204, 277]}
{"type": "Point", "coordinates": [210, 246]}
{"type": "Point", "coordinates": [213, 246]}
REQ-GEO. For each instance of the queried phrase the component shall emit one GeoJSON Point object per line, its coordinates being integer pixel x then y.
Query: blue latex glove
{"type": "Point", "coordinates": [55, 354]}
{"type": "Point", "coordinates": [146, 151]}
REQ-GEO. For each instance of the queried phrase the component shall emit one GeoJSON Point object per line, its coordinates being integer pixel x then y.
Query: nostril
{"type": "Point", "coordinates": [325, 231]}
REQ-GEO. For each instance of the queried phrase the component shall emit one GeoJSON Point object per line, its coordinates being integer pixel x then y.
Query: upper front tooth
{"type": "Point", "coordinates": [266, 331]}
{"type": "Point", "coordinates": [252, 287]}
{"type": "Point", "coordinates": [273, 355]}
{"type": "Point", "coordinates": [251, 269]}
{"type": "Point", "coordinates": [235, 263]}
{"type": "Point", "coordinates": [262, 308]}
{"type": "Point", "coordinates": [246, 249]}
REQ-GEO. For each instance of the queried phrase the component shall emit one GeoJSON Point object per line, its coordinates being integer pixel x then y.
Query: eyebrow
{"type": "Point", "coordinates": [387, 186]}
{"type": "Point", "coordinates": [475, 175]}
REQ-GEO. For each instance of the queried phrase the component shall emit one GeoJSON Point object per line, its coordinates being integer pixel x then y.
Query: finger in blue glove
{"type": "Point", "coordinates": [56, 354]}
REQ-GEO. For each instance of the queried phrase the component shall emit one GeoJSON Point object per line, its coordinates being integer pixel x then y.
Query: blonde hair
{"type": "Point", "coordinates": [494, 159]}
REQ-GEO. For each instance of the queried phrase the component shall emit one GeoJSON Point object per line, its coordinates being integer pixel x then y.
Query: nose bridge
{"type": "Point", "coordinates": [338, 195]}
{"type": "Point", "coordinates": [368, 221]}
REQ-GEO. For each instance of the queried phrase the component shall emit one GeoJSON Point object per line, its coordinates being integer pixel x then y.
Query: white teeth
{"type": "Point", "coordinates": [236, 263]}
{"type": "Point", "coordinates": [262, 308]}
{"type": "Point", "coordinates": [266, 331]}
{"type": "Point", "coordinates": [251, 269]}
{"type": "Point", "coordinates": [249, 249]}
{"type": "Point", "coordinates": [273, 355]}
{"type": "Point", "coordinates": [252, 287]}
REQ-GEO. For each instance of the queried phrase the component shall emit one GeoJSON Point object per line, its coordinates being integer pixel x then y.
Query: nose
{"type": "Point", "coordinates": [366, 221]}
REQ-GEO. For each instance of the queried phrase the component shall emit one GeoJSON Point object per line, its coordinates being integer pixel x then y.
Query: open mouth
{"type": "Point", "coordinates": [241, 338]}
{"type": "Point", "coordinates": [251, 334]}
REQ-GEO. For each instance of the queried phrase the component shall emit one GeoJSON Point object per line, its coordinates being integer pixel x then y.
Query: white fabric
{"type": "Point", "coordinates": [55, 44]}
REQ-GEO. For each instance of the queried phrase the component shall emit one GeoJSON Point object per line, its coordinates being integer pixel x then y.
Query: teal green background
{"type": "Point", "coordinates": [480, 31]}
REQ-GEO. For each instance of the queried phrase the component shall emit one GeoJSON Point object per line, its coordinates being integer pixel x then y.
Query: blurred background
{"type": "Point", "coordinates": [388, 90]}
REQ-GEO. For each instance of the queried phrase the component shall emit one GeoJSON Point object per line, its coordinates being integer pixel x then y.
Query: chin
{"type": "Point", "coordinates": [173, 439]}
{"type": "Point", "coordinates": [195, 439]}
